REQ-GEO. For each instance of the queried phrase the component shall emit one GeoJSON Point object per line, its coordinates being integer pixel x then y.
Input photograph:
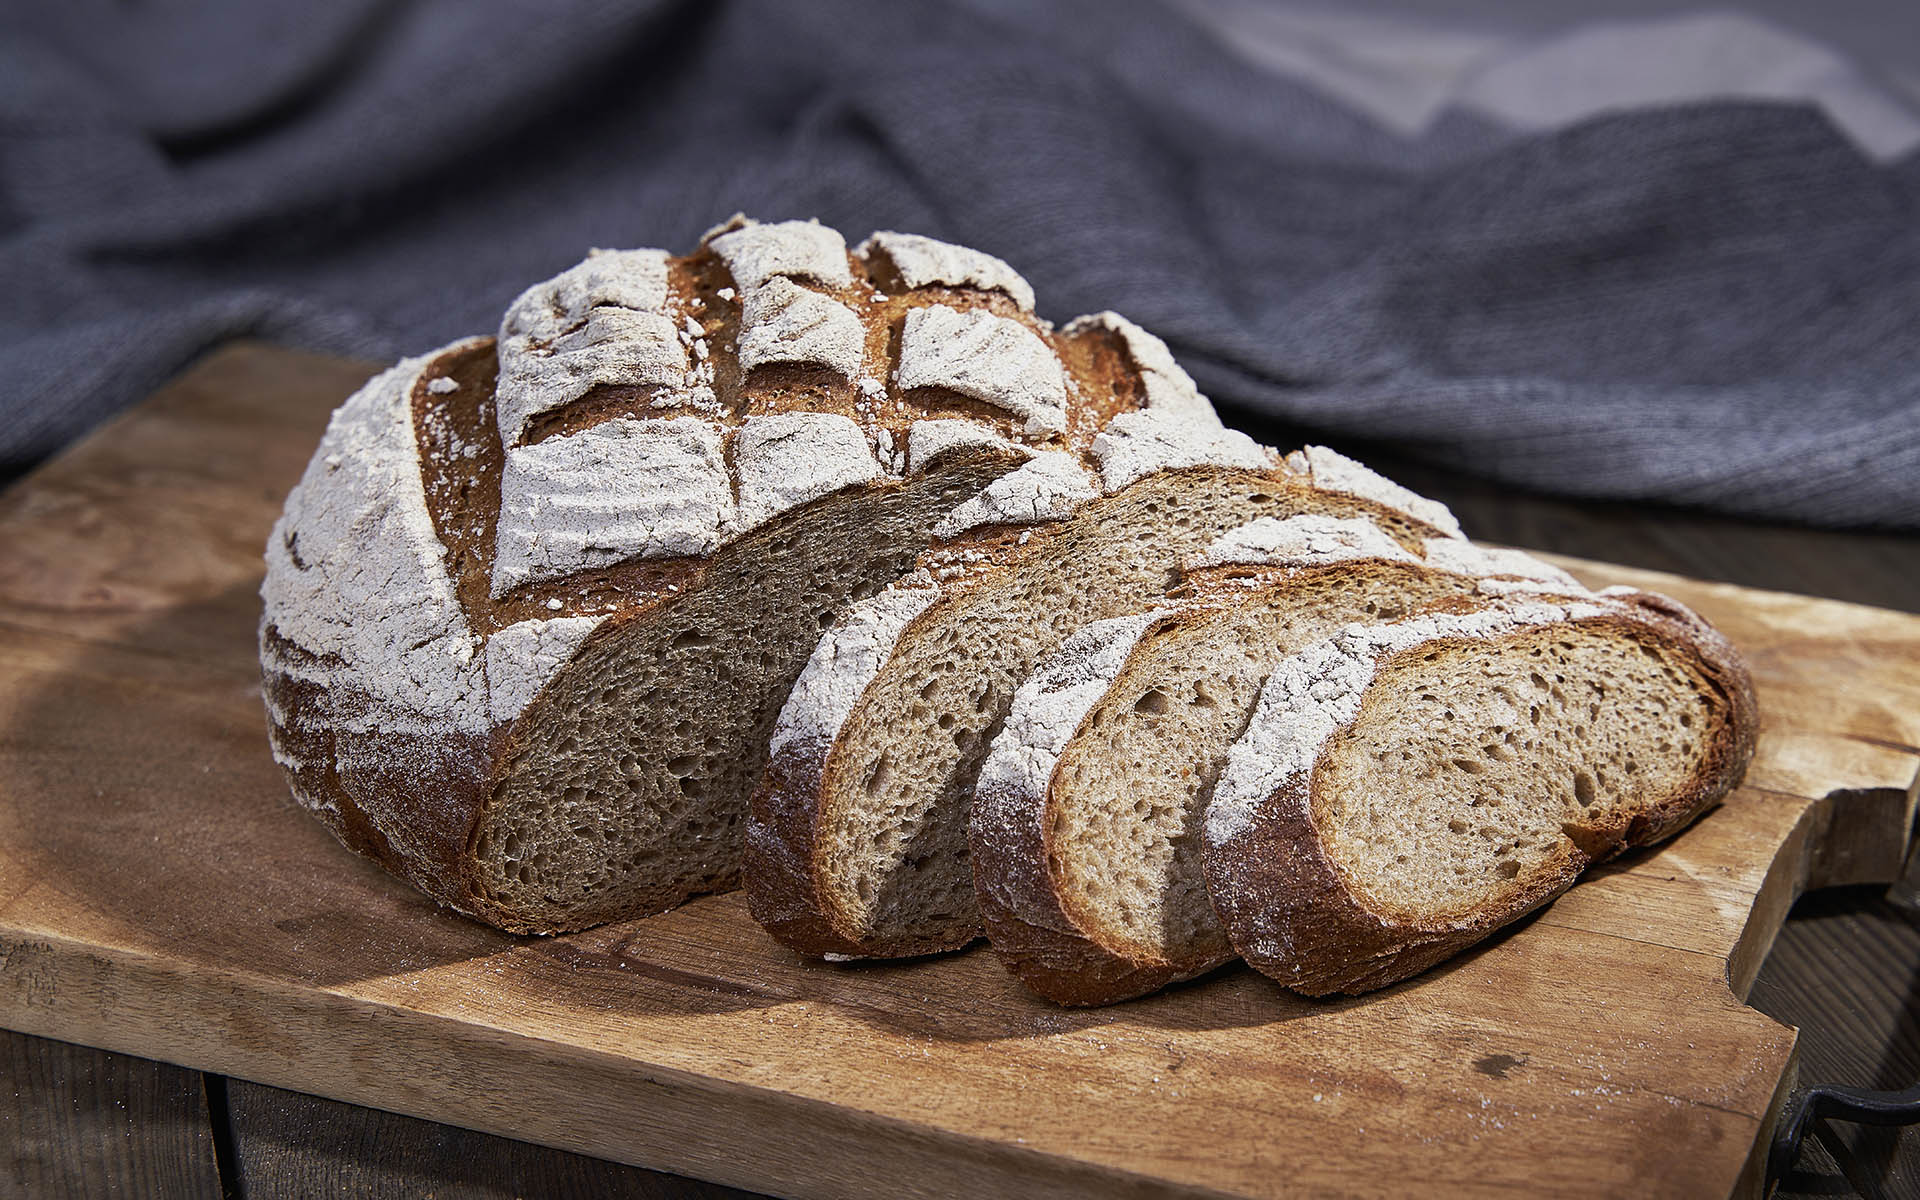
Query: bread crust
{"type": "Point", "coordinates": [1022, 907]}
{"type": "Point", "coordinates": [784, 890]}
{"type": "Point", "coordinates": [1294, 915]}
{"type": "Point", "coordinates": [1023, 893]}
{"type": "Point", "coordinates": [406, 779]}
{"type": "Point", "coordinates": [787, 849]}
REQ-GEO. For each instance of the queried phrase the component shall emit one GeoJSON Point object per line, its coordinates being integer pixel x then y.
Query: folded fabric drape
{"type": "Point", "coordinates": [1709, 303]}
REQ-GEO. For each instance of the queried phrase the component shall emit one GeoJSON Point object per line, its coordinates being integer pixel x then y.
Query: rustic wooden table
{"type": "Point", "coordinates": [1845, 968]}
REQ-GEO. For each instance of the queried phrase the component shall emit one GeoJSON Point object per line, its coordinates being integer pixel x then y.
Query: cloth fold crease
{"type": "Point", "coordinates": [1711, 303]}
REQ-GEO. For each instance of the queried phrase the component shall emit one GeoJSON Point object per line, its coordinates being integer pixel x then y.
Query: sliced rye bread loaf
{"type": "Point", "coordinates": [535, 605]}
{"type": "Point", "coordinates": [1404, 790]}
{"type": "Point", "coordinates": [1086, 819]}
{"type": "Point", "coordinates": [857, 845]}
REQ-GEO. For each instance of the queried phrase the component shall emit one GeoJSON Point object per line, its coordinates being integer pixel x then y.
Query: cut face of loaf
{"type": "Point", "coordinates": [1086, 820]}
{"type": "Point", "coordinates": [859, 838]}
{"type": "Point", "coordinates": [533, 609]}
{"type": "Point", "coordinates": [1404, 790]}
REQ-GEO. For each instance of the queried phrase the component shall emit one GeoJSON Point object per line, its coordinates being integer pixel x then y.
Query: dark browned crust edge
{"type": "Point", "coordinates": [1292, 914]}
{"type": "Point", "coordinates": [332, 784]}
{"type": "Point", "coordinates": [783, 887]}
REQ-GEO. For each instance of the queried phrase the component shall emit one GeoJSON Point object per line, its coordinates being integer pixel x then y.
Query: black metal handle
{"type": "Point", "coordinates": [1859, 1106]}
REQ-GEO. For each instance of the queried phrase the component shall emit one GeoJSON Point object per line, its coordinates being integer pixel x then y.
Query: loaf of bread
{"type": "Point", "coordinates": [858, 842]}
{"type": "Point", "coordinates": [533, 608]}
{"type": "Point", "coordinates": [742, 563]}
{"type": "Point", "coordinates": [1086, 818]}
{"type": "Point", "coordinates": [1405, 789]}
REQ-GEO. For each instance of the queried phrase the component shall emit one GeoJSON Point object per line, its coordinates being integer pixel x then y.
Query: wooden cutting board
{"type": "Point", "coordinates": [159, 895]}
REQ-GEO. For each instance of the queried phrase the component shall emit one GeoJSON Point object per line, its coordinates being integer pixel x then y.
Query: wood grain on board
{"type": "Point", "coordinates": [159, 895]}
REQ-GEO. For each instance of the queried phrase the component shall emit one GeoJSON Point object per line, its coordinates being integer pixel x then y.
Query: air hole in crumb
{"type": "Point", "coordinates": [691, 639]}
{"type": "Point", "coordinates": [1155, 701]}
{"type": "Point", "coordinates": [1583, 788]}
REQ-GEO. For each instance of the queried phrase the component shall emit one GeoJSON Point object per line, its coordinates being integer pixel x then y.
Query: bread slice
{"type": "Point", "coordinates": [533, 609]}
{"type": "Point", "coordinates": [1404, 790]}
{"type": "Point", "coordinates": [1086, 819]}
{"type": "Point", "coordinates": [858, 839]}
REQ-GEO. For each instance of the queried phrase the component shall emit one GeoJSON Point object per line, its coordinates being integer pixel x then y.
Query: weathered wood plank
{"type": "Point", "coordinates": [287, 1144]}
{"type": "Point", "coordinates": [1846, 970]}
{"type": "Point", "coordinates": [75, 1121]}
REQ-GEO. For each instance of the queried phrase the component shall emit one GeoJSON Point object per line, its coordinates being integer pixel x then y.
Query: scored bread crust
{"type": "Point", "coordinates": [1289, 907]}
{"type": "Point", "coordinates": [488, 532]}
{"type": "Point", "coordinates": [813, 768]}
{"type": "Point", "coordinates": [1034, 925]}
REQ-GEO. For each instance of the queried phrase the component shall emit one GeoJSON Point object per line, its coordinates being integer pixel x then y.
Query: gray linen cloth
{"type": "Point", "coordinates": [1715, 304]}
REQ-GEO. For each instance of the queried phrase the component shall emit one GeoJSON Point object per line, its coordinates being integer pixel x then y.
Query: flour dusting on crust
{"type": "Point", "coordinates": [601, 323]}
{"type": "Point", "coordinates": [1137, 444]}
{"type": "Point", "coordinates": [1048, 708]}
{"type": "Point", "coordinates": [1168, 386]}
{"type": "Point", "coordinates": [1050, 486]}
{"type": "Point", "coordinates": [987, 358]}
{"type": "Point", "coordinates": [1516, 567]}
{"type": "Point", "coordinates": [624, 489]}
{"type": "Point", "coordinates": [1335, 472]}
{"type": "Point", "coordinates": [782, 322]}
{"type": "Point", "coordinates": [357, 578]}
{"type": "Point", "coordinates": [521, 658]}
{"type": "Point", "coordinates": [847, 659]}
{"type": "Point", "coordinates": [1316, 692]}
{"type": "Point", "coordinates": [924, 261]}
{"type": "Point", "coordinates": [755, 253]}
{"type": "Point", "coordinates": [1306, 540]}
{"type": "Point", "coordinates": [631, 279]}
{"type": "Point", "coordinates": [928, 440]}
{"type": "Point", "coordinates": [785, 460]}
